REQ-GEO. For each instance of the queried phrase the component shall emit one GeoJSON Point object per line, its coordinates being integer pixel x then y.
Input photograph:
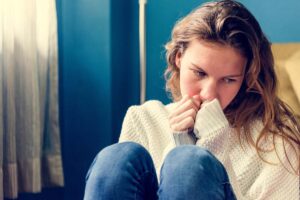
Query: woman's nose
{"type": "Point", "coordinates": [209, 91]}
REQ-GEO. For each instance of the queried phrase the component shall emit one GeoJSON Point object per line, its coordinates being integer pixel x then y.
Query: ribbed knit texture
{"type": "Point", "coordinates": [251, 178]}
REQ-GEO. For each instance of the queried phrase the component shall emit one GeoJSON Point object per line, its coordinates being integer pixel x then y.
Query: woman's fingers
{"type": "Point", "coordinates": [187, 104]}
{"type": "Point", "coordinates": [189, 113]}
{"type": "Point", "coordinates": [183, 116]}
{"type": "Point", "coordinates": [183, 125]}
{"type": "Point", "coordinates": [182, 101]}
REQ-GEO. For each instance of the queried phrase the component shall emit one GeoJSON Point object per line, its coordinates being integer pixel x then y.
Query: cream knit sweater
{"type": "Point", "coordinates": [251, 178]}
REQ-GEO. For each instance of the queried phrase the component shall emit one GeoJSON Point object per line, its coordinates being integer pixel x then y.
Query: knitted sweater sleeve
{"type": "Point", "coordinates": [212, 129]}
{"type": "Point", "coordinates": [210, 119]}
{"type": "Point", "coordinates": [250, 176]}
{"type": "Point", "coordinates": [131, 127]}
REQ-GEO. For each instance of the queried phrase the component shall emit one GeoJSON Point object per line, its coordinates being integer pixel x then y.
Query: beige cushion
{"type": "Point", "coordinates": [287, 66]}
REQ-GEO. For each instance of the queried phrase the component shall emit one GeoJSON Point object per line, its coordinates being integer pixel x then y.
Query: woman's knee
{"type": "Point", "coordinates": [189, 153]}
{"type": "Point", "coordinates": [116, 157]}
{"type": "Point", "coordinates": [122, 150]}
{"type": "Point", "coordinates": [194, 172]}
{"type": "Point", "coordinates": [193, 158]}
{"type": "Point", "coordinates": [119, 170]}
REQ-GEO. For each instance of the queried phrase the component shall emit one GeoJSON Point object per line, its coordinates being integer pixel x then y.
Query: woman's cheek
{"type": "Point", "coordinates": [189, 88]}
{"type": "Point", "coordinates": [193, 92]}
{"type": "Point", "coordinates": [227, 96]}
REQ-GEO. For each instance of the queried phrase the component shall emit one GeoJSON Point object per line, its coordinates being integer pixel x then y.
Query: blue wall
{"type": "Point", "coordinates": [85, 86]}
{"type": "Point", "coordinates": [99, 67]}
{"type": "Point", "coordinates": [124, 60]}
{"type": "Point", "coordinates": [97, 56]}
{"type": "Point", "coordinates": [279, 19]}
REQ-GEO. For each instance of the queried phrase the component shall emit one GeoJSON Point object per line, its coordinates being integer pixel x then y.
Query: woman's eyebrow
{"type": "Point", "coordinates": [230, 75]}
{"type": "Point", "coordinates": [194, 65]}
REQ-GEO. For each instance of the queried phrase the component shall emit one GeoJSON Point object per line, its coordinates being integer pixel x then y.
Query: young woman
{"type": "Point", "coordinates": [226, 135]}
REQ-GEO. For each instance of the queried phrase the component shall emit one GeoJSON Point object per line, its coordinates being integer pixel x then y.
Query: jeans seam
{"type": "Point", "coordinates": [141, 177]}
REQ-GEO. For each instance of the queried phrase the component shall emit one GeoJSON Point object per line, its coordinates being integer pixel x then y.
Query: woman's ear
{"type": "Point", "coordinates": [178, 59]}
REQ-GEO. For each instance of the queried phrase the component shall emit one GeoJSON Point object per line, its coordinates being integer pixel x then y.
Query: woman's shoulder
{"type": "Point", "coordinates": [147, 120]}
{"type": "Point", "coordinates": [150, 112]}
{"type": "Point", "coordinates": [152, 106]}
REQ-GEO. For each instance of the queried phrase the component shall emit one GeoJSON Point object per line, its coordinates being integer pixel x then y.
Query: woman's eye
{"type": "Point", "coordinates": [229, 80]}
{"type": "Point", "coordinates": [200, 74]}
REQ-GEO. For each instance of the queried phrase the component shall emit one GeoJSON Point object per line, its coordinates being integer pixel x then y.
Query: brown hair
{"type": "Point", "coordinates": [228, 22]}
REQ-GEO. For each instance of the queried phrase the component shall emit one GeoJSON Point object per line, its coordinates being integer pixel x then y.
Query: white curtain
{"type": "Point", "coordinates": [30, 152]}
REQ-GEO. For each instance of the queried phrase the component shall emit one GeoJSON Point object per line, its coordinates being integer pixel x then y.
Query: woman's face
{"type": "Point", "coordinates": [211, 70]}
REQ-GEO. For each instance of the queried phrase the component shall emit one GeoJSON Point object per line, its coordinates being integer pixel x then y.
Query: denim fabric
{"type": "Point", "coordinates": [126, 171]}
{"type": "Point", "coordinates": [191, 172]}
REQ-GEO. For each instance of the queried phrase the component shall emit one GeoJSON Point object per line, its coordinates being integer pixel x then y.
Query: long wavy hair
{"type": "Point", "coordinates": [228, 22]}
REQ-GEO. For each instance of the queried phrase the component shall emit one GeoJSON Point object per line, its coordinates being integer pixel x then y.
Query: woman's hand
{"type": "Point", "coordinates": [183, 116]}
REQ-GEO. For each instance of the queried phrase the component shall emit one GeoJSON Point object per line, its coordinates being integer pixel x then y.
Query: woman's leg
{"type": "Point", "coordinates": [190, 172]}
{"type": "Point", "coordinates": [122, 171]}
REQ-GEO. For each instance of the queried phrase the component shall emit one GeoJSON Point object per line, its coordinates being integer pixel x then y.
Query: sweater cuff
{"type": "Point", "coordinates": [184, 138]}
{"type": "Point", "coordinates": [210, 118]}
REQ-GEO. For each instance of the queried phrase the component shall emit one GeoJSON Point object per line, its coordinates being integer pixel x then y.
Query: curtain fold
{"type": "Point", "coordinates": [30, 149]}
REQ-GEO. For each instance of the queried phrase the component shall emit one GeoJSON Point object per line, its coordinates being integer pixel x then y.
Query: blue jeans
{"type": "Point", "coordinates": [126, 171]}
